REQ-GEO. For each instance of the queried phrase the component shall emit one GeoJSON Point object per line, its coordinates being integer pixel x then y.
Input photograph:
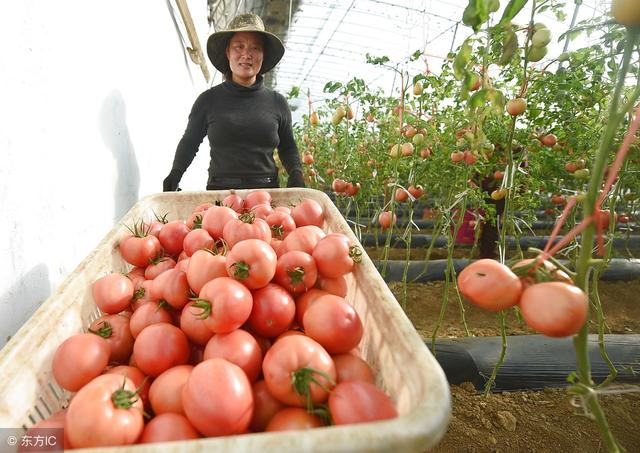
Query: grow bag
{"type": "Point", "coordinates": [420, 271]}
{"type": "Point", "coordinates": [533, 362]}
{"type": "Point", "coordinates": [423, 240]}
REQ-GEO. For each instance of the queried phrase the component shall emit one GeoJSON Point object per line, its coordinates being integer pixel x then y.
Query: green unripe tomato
{"type": "Point", "coordinates": [537, 53]}
{"type": "Point", "coordinates": [539, 26]}
{"type": "Point", "coordinates": [541, 38]}
{"type": "Point", "coordinates": [564, 56]}
{"type": "Point", "coordinates": [583, 173]}
{"type": "Point", "coordinates": [418, 139]}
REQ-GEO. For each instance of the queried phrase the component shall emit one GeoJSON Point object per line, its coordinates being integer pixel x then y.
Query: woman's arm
{"type": "Point", "coordinates": [287, 149]}
{"type": "Point", "coordinates": [189, 144]}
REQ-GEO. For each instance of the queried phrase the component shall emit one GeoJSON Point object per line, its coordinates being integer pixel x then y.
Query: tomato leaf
{"type": "Point", "coordinates": [512, 9]}
{"type": "Point", "coordinates": [461, 60]}
{"type": "Point", "coordinates": [509, 47]}
{"type": "Point", "coordinates": [475, 14]}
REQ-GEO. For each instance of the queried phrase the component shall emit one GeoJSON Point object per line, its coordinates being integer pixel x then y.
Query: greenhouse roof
{"type": "Point", "coordinates": [328, 40]}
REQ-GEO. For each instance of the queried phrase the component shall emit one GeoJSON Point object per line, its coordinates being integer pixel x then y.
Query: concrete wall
{"type": "Point", "coordinates": [94, 97]}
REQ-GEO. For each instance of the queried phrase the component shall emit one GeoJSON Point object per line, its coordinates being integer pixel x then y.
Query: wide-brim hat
{"type": "Point", "coordinates": [218, 41]}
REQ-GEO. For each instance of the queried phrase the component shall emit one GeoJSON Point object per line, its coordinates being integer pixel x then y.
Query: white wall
{"type": "Point", "coordinates": [94, 97]}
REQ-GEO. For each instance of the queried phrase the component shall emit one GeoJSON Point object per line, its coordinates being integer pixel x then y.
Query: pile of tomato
{"type": "Point", "coordinates": [233, 320]}
{"type": "Point", "coordinates": [549, 301]}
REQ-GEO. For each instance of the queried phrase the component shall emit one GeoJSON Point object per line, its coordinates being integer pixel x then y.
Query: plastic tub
{"type": "Point", "coordinates": [404, 366]}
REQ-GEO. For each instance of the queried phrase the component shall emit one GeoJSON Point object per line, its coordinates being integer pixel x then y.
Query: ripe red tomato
{"type": "Point", "coordinates": [293, 419]}
{"type": "Point", "coordinates": [273, 311]}
{"type": "Point", "coordinates": [225, 303]}
{"type": "Point", "coordinates": [333, 323]}
{"type": "Point", "coordinates": [304, 300]}
{"type": "Point", "coordinates": [113, 292]}
{"type": "Point", "coordinates": [147, 314]}
{"type": "Point", "coordinates": [350, 367]}
{"type": "Point", "coordinates": [234, 201]}
{"type": "Point", "coordinates": [359, 402]}
{"type": "Point", "coordinates": [217, 398]}
{"type": "Point", "coordinates": [296, 271]}
{"type": "Point", "coordinates": [516, 106]}
{"type": "Point", "coordinates": [165, 392]}
{"type": "Point", "coordinates": [457, 156]}
{"type": "Point", "coordinates": [334, 255]}
{"type": "Point", "coordinates": [307, 158]}
{"type": "Point", "coordinates": [157, 266]}
{"type": "Point", "coordinates": [308, 212]}
{"type": "Point", "coordinates": [470, 158]}
{"type": "Point", "coordinates": [401, 195]}
{"type": "Point", "coordinates": [290, 364]}
{"type": "Point", "coordinates": [416, 191]}
{"type": "Point", "coordinates": [304, 238]}
{"type": "Point", "coordinates": [79, 359]}
{"type": "Point", "coordinates": [139, 250]}
{"type": "Point", "coordinates": [555, 309]}
{"type": "Point", "coordinates": [558, 200]}
{"type": "Point", "coordinates": [172, 236]}
{"type": "Point", "coordinates": [265, 407]}
{"type": "Point", "coordinates": [352, 189]}
{"type": "Point", "coordinates": [194, 327]}
{"type": "Point", "coordinates": [141, 382]}
{"type": "Point", "coordinates": [159, 347]}
{"type": "Point", "coordinates": [238, 347]}
{"type": "Point", "coordinates": [247, 226]}
{"type": "Point", "coordinates": [197, 239]}
{"type": "Point", "coordinates": [386, 219]}
{"type": "Point", "coordinates": [252, 262]}
{"type": "Point", "coordinates": [203, 267]}
{"type": "Point", "coordinates": [216, 218]}
{"type": "Point", "coordinates": [115, 330]}
{"type": "Point", "coordinates": [255, 198]}
{"type": "Point", "coordinates": [167, 428]}
{"type": "Point", "coordinates": [623, 218]}
{"type": "Point", "coordinates": [281, 224]}
{"type": "Point", "coordinates": [339, 185]}
{"type": "Point", "coordinates": [105, 412]}
{"type": "Point", "coordinates": [549, 140]}
{"type": "Point", "coordinates": [337, 286]}
{"type": "Point", "coordinates": [172, 287]}
{"type": "Point", "coordinates": [490, 285]}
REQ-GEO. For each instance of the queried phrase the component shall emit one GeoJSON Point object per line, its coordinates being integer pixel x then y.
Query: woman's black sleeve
{"type": "Point", "coordinates": [287, 149]}
{"type": "Point", "coordinates": [192, 137]}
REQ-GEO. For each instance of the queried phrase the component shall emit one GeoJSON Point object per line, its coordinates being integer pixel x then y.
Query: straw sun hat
{"type": "Point", "coordinates": [217, 43]}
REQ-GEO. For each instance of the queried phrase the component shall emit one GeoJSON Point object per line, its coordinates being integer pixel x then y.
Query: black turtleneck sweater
{"type": "Point", "coordinates": [244, 126]}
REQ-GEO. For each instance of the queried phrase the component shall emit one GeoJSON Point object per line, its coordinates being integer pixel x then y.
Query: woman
{"type": "Point", "coordinates": [244, 120]}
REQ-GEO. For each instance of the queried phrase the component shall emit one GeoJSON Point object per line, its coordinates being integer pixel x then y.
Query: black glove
{"type": "Point", "coordinates": [295, 179]}
{"type": "Point", "coordinates": [170, 183]}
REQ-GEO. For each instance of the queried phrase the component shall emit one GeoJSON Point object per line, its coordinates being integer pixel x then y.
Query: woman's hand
{"type": "Point", "coordinates": [295, 179]}
{"type": "Point", "coordinates": [170, 183]}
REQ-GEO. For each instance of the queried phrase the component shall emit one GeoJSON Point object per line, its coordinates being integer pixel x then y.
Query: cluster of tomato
{"type": "Point", "coordinates": [549, 301]}
{"type": "Point", "coordinates": [231, 321]}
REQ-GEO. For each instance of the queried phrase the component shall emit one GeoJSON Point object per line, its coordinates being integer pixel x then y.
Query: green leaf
{"type": "Point", "coordinates": [475, 14]}
{"type": "Point", "coordinates": [461, 60]}
{"type": "Point", "coordinates": [509, 47]}
{"type": "Point", "coordinates": [512, 9]}
{"type": "Point", "coordinates": [478, 99]}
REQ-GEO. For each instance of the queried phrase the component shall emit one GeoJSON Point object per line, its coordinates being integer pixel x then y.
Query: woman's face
{"type": "Point", "coordinates": [245, 52]}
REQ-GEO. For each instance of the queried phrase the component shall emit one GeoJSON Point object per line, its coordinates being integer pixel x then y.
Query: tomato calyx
{"type": "Point", "coordinates": [355, 253]}
{"type": "Point", "coordinates": [105, 331]}
{"type": "Point", "coordinates": [197, 222]}
{"type": "Point", "coordinates": [124, 399]}
{"type": "Point", "coordinates": [241, 270]}
{"type": "Point", "coordinates": [201, 304]}
{"type": "Point", "coordinates": [164, 304]}
{"type": "Point", "coordinates": [158, 259]}
{"type": "Point", "coordinates": [301, 380]}
{"type": "Point", "coordinates": [278, 231]}
{"type": "Point", "coordinates": [162, 219]}
{"type": "Point", "coordinates": [296, 275]}
{"type": "Point", "coordinates": [247, 217]}
{"type": "Point", "coordinates": [322, 412]}
{"type": "Point", "coordinates": [139, 293]}
{"type": "Point", "coordinates": [139, 230]}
